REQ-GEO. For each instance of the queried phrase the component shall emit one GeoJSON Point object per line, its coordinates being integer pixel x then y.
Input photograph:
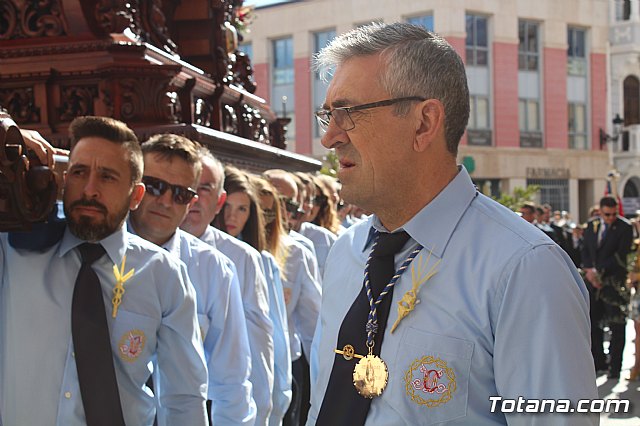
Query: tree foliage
{"type": "Point", "coordinates": [520, 196]}
{"type": "Point", "coordinates": [331, 164]}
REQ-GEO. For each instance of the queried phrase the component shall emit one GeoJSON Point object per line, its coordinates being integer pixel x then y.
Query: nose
{"type": "Point", "coordinates": [166, 199]}
{"type": "Point", "coordinates": [333, 136]}
{"type": "Point", "coordinates": [91, 186]}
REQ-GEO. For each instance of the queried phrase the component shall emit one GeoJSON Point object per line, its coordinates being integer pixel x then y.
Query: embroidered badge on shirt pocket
{"type": "Point", "coordinates": [429, 382]}
{"type": "Point", "coordinates": [131, 345]}
{"type": "Point", "coordinates": [133, 336]}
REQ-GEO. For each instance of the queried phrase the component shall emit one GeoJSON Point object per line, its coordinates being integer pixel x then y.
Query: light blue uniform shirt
{"type": "Point", "coordinates": [322, 240]}
{"type": "Point", "coordinates": [156, 321]}
{"type": "Point", "coordinates": [506, 314]}
{"type": "Point", "coordinates": [308, 244]}
{"type": "Point", "coordinates": [256, 304]}
{"type": "Point", "coordinates": [282, 366]}
{"type": "Point", "coordinates": [223, 327]}
{"type": "Point", "coordinates": [302, 294]}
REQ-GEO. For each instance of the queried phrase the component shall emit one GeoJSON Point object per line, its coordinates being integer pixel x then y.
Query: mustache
{"type": "Point", "coordinates": [89, 203]}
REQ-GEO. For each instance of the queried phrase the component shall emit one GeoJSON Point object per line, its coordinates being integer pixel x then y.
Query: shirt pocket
{"type": "Point", "coordinates": [429, 380]}
{"type": "Point", "coordinates": [134, 341]}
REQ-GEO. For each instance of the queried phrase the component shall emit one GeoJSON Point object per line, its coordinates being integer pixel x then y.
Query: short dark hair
{"type": "Point", "coordinates": [528, 205]}
{"type": "Point", "coordinates": [608, 201]}
{"type": "Point", "coordinates": [112, 130]}
{"type": "Point", "coordinates": [169, 146]}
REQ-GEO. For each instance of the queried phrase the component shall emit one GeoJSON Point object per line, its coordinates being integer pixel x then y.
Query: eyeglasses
{"type": "Point", "coordinates": [157, 187]}
{"type": "Point", "coordinates": [292, 207]}
{"type": "Point", "coordinates": [342, 115]}
{"type": "Point", "coordinates": [608, 214]}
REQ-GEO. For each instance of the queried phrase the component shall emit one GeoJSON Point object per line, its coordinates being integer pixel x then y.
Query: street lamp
{"type": "Point", "coordinates": [617, 129]}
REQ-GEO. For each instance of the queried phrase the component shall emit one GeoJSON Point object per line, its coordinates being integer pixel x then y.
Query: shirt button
{"type": "Point", "coordinates": [67, 395]}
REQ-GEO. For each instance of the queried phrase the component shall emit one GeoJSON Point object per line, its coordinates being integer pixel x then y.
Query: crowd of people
{"type": "Point", "coordinates": [200, 293]}
{"type": "Point", "coordinates": [253, 248]}
{"type": "Point", "coordinates": [601, 249]}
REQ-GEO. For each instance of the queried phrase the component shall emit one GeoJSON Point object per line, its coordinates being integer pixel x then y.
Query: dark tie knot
{"type": "Point", "coordinates": [90, 252]}
{"type": "Point", "coordinates": [390, 244]}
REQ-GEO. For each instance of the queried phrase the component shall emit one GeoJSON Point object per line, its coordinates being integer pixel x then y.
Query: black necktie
{"type": "Point", "coordinates": [342, 405]}
{"type": "Point", "coordinates": [92, 345]}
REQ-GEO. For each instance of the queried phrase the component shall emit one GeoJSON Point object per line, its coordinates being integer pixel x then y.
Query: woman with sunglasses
{"type": "Point", "coordinates": [324, 212]}
{"type": "Point", "coordinates": [242, 217]}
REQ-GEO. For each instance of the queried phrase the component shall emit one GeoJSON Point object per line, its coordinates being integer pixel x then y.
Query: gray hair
{"type": "Point", "coordinates": [206, 156]}
{"type": "Point", "coordinates": [419, 63]}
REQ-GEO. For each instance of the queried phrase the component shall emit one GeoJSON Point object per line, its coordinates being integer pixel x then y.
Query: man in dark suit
{"type": "Point", "coordinates": [607, 242]}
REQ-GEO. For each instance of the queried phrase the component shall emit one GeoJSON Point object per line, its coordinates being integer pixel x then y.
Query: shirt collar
{"type": "Point", "coordinates": [115, 244]}
{"type": "Point", "coordinates": [209, 236]}
{"type": "Point", "coordinates": [433, 226]}
{"type": "Point", "coordinates": [173, 245]}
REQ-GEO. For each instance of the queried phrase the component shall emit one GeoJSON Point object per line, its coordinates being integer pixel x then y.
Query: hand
{"type": "Point", "coordinates": [43, 149]}
{"type": "Point", "coordinates": [592, 277]}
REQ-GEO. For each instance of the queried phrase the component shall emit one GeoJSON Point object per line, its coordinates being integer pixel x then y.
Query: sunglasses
{"type": "Point", "coordinates": [157, 187]}
{"type": "Point", "coordinates": [319, 200]}
{"type": "Point", "coordinates": [292, 207]}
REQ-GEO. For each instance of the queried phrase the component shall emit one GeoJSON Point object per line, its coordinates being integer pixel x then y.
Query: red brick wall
{"type": "Point", "coordinates": [555, 98]}
{"type": "Point", "coordinates": [598, 97]}
{"type": "Point", "coordinates": [505, 95]}
{"type": "Point", "coordinates": [302, 92]}
{"type": "Point", "coordinates": [261, 77]}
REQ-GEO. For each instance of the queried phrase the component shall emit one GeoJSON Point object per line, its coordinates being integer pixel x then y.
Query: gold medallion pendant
{"type": "Point", "coordinates": [370, 376]}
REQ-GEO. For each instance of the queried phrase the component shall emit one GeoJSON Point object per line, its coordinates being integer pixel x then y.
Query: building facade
{"type": "Point", "coordinates": [537, 77]}
{"type": "Point", "coordinates": [624, 87]}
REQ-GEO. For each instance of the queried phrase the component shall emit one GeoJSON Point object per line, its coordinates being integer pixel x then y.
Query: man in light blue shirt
{"type": "Point", "coordinates": [487, 305]}
{"type": "Point", "coordinates": [155, 319]}
{"type": "Point", "coordinates": [171, 169]}
{"type": "Point", "coordinates": [272, 378]}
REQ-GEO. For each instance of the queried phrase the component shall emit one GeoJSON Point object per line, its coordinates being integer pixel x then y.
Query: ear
{"type": "Point", "coordinates": [192, 202]}
{"type": "Point", "coordinates": [221, 199]}
{"type": "Point", "coordinates": [429, 124]}
{"type": "Point", "coordinates": [136, 196]}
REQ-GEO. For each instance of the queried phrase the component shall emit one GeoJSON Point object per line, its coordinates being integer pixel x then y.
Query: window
{"type": "Point", "coordinates": [320, 40]}
{"type": "Point", "coordinates": [623, 10]}
{"type": "Point", "coordinates": [631, 90]}
{"type": "Point", "coordinates": [283, 61]}
{"type": "Point", "coordinates": [477, 41]}
{"type": "Point", "coordinates": [529, 115]}
{"type": "Point", "coordinates": [529, 85]}
{"type": "Point", "coordinates": [577, 88]}
{"type": "Point", "coordinates": [528, 52]}
{"type": "Point", "coordinates": [282, 79]}
{"type": "Point", "coordinates": [478, 76]}
{"type": "Point", "coordinates": [577, 126]}
{"type": "Point", "coordinates": [479, 112]}
{"type": "Point", "coordinates": [577, 56]}
{"type": "Point", "coordinates": [425, 21]}
{"type": "Point", "coordinates": [554, 192]}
